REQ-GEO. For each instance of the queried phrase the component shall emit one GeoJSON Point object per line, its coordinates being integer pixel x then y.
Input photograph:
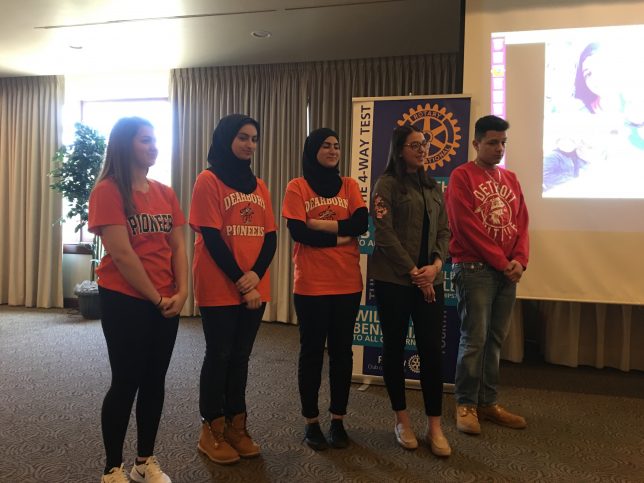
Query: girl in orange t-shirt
{"type": "Point", "coordinates": [325, 214]}
{"type": "Point", "coordinates": [236, 239]}
{"type": "Point", "coordinates": [143, 284]}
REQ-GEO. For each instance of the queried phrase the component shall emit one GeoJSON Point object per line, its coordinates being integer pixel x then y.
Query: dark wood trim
{"type": "Point", "coordinates": [77, 248]}
{"type": "Point", "coordinates": [461, 50]}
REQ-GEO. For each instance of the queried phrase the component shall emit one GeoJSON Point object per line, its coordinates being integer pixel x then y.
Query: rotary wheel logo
{"type": "Point", "coordinates": [414, 364]}
{"type": "Point", "coordinates": [441, 132]}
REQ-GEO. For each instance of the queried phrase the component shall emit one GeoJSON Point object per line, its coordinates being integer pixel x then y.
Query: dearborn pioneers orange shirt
{"type": "Point", "coordinates": [157, 213]}
{"type": "Point", "coordinates": [324, 270]}
{"type": "Point", "coordinates": [243, 220]}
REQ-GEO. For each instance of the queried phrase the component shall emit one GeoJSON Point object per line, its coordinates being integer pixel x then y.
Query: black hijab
{"type": "Point", "coordinates": [324, 181]}
{"type": "Point", "coordinates": [234, 172]}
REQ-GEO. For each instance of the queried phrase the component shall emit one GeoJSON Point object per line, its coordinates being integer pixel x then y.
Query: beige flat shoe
{"type": "Point", "coordinates": [439, 445]}
{"type": "Point", "coordinates": [405, 436]}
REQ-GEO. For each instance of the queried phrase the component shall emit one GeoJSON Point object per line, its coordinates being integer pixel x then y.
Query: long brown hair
{"type": "Point", "coordinates": [119, 157]}
{"type": "Point", "coordinates": [396, 166]}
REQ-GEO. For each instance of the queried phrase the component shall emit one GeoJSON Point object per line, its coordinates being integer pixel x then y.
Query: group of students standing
{"type": "Point", "coordinates": [143, 283]}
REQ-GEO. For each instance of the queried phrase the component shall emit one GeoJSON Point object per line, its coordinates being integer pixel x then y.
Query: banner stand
{"type": "Point", "coordinates": [366, 381]}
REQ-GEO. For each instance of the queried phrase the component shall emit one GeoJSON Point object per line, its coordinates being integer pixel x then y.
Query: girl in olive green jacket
{"type": "Point", "coordinates": [411, 239]}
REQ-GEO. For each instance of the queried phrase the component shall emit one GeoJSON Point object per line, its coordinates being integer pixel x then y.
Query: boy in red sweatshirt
{"type": "Point", "coordinates": [489, 248]}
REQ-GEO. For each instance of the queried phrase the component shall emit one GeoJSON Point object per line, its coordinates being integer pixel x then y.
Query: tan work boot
{"type": "Point", "coordinates": [237, 436]}
{"type": "Point", "coordinates": [502, 416]}
{"type": "Point", "coordinates": [213, 444]}
{"type": "Point", "coordinates": [467, 420]}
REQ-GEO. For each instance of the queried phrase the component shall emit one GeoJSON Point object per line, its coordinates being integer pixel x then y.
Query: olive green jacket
{"type": "Point", "coordinates": [398, 220]}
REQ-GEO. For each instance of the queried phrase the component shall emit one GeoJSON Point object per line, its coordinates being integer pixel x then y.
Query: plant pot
{"type": "Point", "coordinates": [89, 305]}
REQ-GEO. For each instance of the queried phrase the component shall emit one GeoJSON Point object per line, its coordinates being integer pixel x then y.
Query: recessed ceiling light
{"type": "Point", "coordinates": [260, 34]}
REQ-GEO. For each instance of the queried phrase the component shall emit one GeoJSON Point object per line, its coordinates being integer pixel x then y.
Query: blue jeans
{"type": "Point", "coordinates": [485, 300]}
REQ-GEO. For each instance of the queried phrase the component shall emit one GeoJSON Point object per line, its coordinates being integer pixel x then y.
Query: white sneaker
{"type": "Point", "coordinates": [116, 475]}
{"type": "Point", "coordinates": [149, 472]}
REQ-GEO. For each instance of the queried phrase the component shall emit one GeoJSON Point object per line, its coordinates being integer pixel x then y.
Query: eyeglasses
{"type": "Point", "coordinates": [416, 145]}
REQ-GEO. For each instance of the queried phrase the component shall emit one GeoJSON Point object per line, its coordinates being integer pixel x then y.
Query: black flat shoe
{"type": "Point", "coordinates": [314, 437]}
{"type": "Point", "coordinates": [337, 435]}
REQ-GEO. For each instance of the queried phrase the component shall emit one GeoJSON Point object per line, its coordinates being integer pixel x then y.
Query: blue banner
{"type": "Point", "coordinates": [445, 123]}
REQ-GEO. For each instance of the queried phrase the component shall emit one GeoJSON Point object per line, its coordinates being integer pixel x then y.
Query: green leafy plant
{"type": "Point", "coordinates": [76, 168]}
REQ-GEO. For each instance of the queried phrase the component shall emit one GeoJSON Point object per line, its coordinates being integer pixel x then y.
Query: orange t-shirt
{"type": "Point", "coordinates": [324, 270]}
{"type": "Point", "coordinates": [243, 220]}
{"type": "Point", "coordinates": [157, 213]}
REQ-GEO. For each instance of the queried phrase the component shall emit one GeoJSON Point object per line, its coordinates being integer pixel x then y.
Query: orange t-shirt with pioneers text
{"type": "Point", "coordinates": [243, 220]}
{"type": "Point", "coordinates": [324, 270]}
{"type": "Point", "coordinates": [157, 213]}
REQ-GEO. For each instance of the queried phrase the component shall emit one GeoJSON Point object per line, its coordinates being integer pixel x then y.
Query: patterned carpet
{"type": "Point", "coordinates": [584, 424]}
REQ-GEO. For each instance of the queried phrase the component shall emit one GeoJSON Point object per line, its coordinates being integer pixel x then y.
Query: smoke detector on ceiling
{"type": "Point", "coordinates": [260, 34]}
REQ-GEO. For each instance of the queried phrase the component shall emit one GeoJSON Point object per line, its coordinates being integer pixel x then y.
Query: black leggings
{"type": "Point", "coordinates": [139, 344]}
{"type": "Point", "coordinates": [396, 303]}
{"type": "Point", "coordinates": [330, 319]}
{"type": "Point", "coordinates": [230, 334]}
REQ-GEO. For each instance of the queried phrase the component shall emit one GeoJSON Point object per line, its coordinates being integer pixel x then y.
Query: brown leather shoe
{"type": "Point", "coordinates": [502, 416]}
{"type": "Point", "coordinates": [237, 436]}
{"type": "Point", "coordinates": [213, 444]}
{"type": "Point", "coordinates": [467, 420]}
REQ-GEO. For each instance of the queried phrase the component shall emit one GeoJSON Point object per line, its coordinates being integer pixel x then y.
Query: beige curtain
{"type": "Point", "coordinates": [582, 334]}
{"type": "Point", "coordinates": [278, 95]}
{"type": "Point", "coordinates": [30, 240]}
{"type": "Point", "coordinates": [275, 96]}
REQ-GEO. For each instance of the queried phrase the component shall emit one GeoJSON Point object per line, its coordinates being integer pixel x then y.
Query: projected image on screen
{"type": "Point", "coordinates": [593, 124]}
{"type": "Point", "coordinates": [574, 98]}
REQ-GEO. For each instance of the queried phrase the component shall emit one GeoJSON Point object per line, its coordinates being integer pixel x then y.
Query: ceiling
{"type": "Point", "coordinates": [43, 37]}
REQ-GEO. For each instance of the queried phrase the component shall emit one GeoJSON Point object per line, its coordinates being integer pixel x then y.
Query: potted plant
{"type": "Point", "coordinates": [76, 168]}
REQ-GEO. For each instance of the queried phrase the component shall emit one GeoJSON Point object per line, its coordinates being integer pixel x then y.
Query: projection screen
{"type": "Point", "coordinates": [567, 75]}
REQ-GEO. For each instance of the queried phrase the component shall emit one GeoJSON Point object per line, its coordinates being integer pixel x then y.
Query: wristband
{"type": "Point", "coordinates": [159, 302]}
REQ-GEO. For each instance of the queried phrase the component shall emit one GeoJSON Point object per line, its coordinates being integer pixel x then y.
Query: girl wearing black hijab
{"type": "Point", "coordinates": [232, 214]}
{"type": "Point", "coordinates": [325, 214]}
